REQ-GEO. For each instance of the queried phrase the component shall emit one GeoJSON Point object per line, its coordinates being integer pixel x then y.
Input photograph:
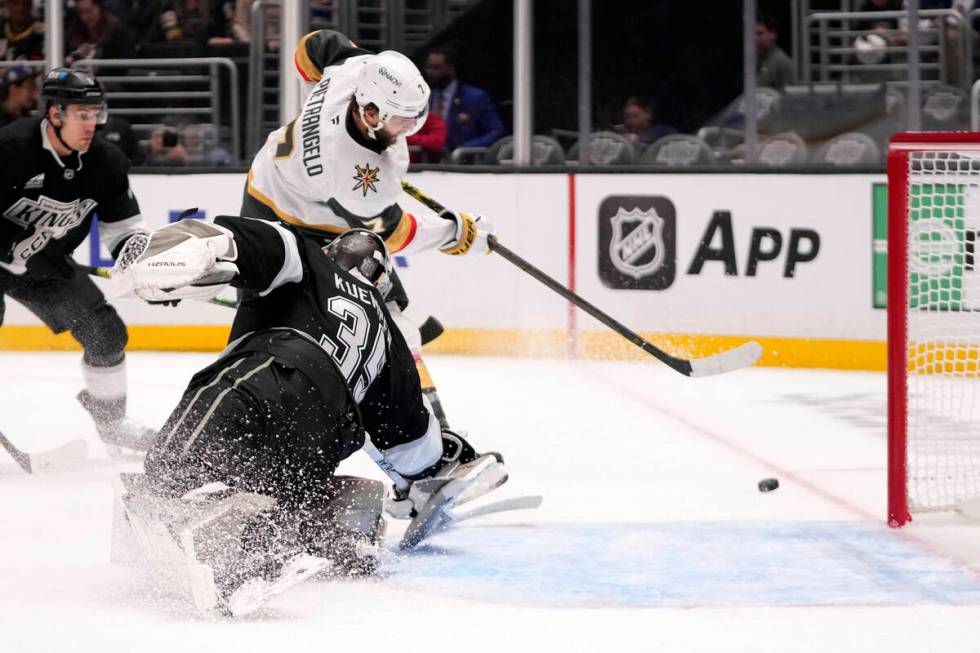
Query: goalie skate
{"type": "Point", "coordinates": [434, 498]}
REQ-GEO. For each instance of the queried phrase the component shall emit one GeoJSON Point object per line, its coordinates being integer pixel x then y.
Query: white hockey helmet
{"type": "Point", "coordinates": [391, 82]}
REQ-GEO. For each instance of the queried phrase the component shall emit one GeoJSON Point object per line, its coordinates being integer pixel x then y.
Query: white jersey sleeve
{"type": "Point", "coordinates": [320, 173]}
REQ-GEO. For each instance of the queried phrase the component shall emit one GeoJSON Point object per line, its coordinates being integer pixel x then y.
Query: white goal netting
{"type": "Point", "coordinates": [943, 407]}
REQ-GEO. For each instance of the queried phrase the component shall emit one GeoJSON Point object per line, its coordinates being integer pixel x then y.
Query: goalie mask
{"type": "Point", "coordinates": [391, 82]}
{"type": "Point", "coordinates": [364, 254]}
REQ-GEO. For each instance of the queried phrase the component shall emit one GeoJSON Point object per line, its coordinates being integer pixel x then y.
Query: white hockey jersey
{"type": "Point", "coordinates": [319, 172]}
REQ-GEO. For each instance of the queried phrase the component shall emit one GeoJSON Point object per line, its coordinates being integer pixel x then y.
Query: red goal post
{"type": "Point", "coordinates": [933, 322]}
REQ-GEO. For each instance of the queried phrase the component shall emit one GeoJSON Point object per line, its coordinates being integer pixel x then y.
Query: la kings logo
{"type": "Point", "coordinates": [49, 219]}
{"type": "Point", "coordinates": [637, 242]}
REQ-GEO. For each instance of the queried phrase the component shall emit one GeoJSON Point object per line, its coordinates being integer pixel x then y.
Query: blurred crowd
{"type": "Point", "coordinates": [466, 124]}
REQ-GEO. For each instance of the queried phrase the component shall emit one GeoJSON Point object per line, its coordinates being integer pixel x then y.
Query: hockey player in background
{"type": "Point", "coordinates": [314, 361]}
{"type": "Point", "coordinates": [55, 175]}
{"type": "Point", "coordinates": [339, 165]}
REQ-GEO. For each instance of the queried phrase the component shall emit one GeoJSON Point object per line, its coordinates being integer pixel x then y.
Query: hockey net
{"type": "Point", "coordinates": [933, 323]}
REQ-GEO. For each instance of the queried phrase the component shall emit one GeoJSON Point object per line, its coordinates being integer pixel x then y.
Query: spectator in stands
{"type": "Point", "coordinates": [471, 120]}
{"type": "Point", "coordinates": [886, 26]}
{"type": "Point", "coordinates": [198, 21]}
{"type": "Point", "coordinates": [222, 23]}
{"type": "Point", "coordinates": [21, 35]}
{"type": "Point", "coordinates": [241, 23]}
{"type": "Point", "coordinates": [774, 68]}
{"type": "Point", "coordinates": [428, 144]}
{"type": "Point", "coordinates": [120, 133]}
{"type": "Point", "coordinates": [952, 34]}
{"type": "Point", "coordinates": [321, 13]}
{"type": "Point", "coordinates": [141, 16]}
{"type": "Point", "coordinates": [893, 32]}
{"type": "Point", "coordinates": [640, 126]}
{"type": "Point", "coordinates": [165, 148]}
{"type": "Point", "coordinates": [202, 146]}
{"type": "Point", "coordinates": [19, 93]}
{"type": "Point", "coordinates": [96, 33]}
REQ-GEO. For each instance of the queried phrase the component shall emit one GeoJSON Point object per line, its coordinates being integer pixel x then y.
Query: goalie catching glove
{"type": "Point", "coordinates": [471, 235]}
{"type": "Point", "coordinates": [189, 259]}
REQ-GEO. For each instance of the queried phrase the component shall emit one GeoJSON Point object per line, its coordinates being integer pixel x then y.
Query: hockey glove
{"type": "Point", "coordinates": [189, 259]}
{"type": "Point", "coordinates": [471, 235]}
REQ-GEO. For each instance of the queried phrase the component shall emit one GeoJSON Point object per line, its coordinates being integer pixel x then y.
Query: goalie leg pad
{"type": "Point", "coordinates": [348, 527]}
{"type": "Point", "coordinates": [218, 540]}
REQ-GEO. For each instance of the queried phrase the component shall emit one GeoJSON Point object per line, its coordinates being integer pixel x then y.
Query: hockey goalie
{"type": "Point", "coordinates": [239, 491]}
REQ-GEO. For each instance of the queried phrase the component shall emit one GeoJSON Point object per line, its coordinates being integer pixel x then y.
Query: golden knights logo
{"type": "Point", "coordinates": [366, 178]}
{"type": "Point", "coordinates": [637, 247]}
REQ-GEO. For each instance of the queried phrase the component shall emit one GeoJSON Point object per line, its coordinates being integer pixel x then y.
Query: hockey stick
{"type": "Point", "coordinates": [726, 361]}
{"type": "Point", "coordinates": [70, 452]}
{"type": "Point", "coordinates": [106, 273]}
{"type": "Point", "coordinates": [430, 329]}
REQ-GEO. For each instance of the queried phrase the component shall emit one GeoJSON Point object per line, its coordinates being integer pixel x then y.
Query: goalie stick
{"type": "Point", "coordinates": [726, 361]}
{"type": "Point", "coordinates": [70, 452]}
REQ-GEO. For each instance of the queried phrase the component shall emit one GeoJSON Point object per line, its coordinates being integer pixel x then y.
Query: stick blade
{"type": "Point", "coordinates": [726, 361]}
{"type": "Point", "coordinates": [71, 452]}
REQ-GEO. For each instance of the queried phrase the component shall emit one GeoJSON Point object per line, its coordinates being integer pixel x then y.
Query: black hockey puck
{"type": "Point", "coordinates": [768, 485]}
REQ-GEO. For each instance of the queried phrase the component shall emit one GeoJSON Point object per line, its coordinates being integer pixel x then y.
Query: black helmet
{"type": "Point", "coordinates": [365, 252]}
{"type": "Point", "coordinates": [66, 86]}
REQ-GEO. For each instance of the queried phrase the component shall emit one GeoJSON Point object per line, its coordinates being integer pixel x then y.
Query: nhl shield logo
{"type": "Point", "coordinates": [637, 242]}
{"type": "Point", "coordinates": [637, 245]}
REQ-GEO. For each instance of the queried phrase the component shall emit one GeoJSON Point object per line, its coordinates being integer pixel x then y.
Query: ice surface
{"type": "Point", "coordinates": [652, 536]}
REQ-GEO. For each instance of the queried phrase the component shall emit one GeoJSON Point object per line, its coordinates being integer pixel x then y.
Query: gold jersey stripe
{"type": "Point", "coordinates": [285, 217]}
{"type": "Point", "coordinates": [303, 61]}
{"type": "Point", "coordinates": [402, 234]}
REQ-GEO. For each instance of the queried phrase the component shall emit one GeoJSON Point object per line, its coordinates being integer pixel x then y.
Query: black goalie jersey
{"type": "Point", "coordinates": [47, 201]}
{"type": "Point", "coordinates": [330, 322]}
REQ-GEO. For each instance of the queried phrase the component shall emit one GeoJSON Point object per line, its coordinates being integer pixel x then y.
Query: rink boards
{"type": "Point", "coordinates": [695, 262]}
